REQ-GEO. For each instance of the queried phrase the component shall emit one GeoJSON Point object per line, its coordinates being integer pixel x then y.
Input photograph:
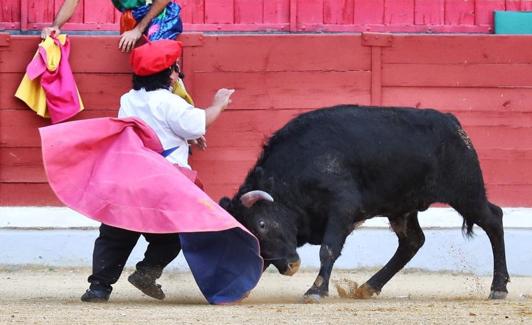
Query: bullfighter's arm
{"type": "Point", "coordinates": [129, 38]}
{"type": "Point", "coordinates": [222, 98]}
{"type": "Point", "coordinates": [65, 12]}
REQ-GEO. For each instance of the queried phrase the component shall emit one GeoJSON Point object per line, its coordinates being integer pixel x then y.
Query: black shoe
{"type": "Point", "coordinates": [146, 284]}
{"type": "Point", "coordinates": [95, 295]}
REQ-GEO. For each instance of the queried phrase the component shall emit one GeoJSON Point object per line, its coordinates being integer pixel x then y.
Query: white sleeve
{"type": "Point", "coordinates": [185, 120]}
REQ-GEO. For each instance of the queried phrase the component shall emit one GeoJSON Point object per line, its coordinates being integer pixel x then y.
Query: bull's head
{"type": "Point", "coordinates": [272, 223]}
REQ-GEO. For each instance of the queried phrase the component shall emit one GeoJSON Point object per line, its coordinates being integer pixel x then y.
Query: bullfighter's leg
{"type": "Point", "coordinates": [490, 220]}
{"type": "Point", "coordinates": [411, 239]}
{"type": "Point", "coordinates": [111, 251]}
{"type": "Point", "coordinates": [338, 228]}
{"type": "Point", "coordinates": [162, 249]}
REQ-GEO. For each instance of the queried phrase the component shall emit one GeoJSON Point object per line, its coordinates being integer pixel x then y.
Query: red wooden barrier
{"type": "Point", "coordinates": [472, 16]}
{"type": "Point", "coordinates": [485, 80]}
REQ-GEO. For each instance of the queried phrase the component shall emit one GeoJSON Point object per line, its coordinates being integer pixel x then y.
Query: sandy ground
{"type": "Point", "coordinates": [37, 295]}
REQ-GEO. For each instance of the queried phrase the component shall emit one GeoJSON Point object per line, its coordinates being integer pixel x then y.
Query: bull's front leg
{"type": "Point", "coordinates": [331, 247]}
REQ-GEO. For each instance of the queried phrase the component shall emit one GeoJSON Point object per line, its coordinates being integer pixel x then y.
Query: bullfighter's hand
{"type": "Point", "coordinates": [201, 142]}
{"type": "Point", "coordinates": [223, 97]}
{"type": "Point", "coordinates": [128, 39]}
{"type": "Point", "coordinates": [47, 31]}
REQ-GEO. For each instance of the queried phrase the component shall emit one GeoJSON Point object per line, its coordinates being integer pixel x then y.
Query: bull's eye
{"type": "Point", "coordinates": [262, 225]}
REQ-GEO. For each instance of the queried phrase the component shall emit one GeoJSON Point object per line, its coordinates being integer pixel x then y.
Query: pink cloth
{"type": "Point", "coordinates": [109, 169]}
{"type": "Point", "coordinates": [62, 97]}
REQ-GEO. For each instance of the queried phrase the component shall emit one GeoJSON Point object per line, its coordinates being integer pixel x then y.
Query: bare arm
{"type": "Point", "coordinates": [65, 12]}
{"type": "Point", "coordinates": [129, 38]}
{"type": "Point", "coordinates": [222, 98]}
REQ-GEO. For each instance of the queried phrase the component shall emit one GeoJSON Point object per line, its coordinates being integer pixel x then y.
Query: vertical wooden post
{"type": "Point", "coordinates": [190, 41]}
{"type": "Point", "coordinates": [376, 41]}
{"type": "Point", "coordinates": [293, 16]}
{"type": "Point", "coordinates": [23, 15]}
{"type": "Point", "coordinates": [376, 75]}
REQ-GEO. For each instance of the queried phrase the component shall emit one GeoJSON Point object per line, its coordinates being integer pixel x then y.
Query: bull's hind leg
{"type": "Point", "coordinates": [489, 218]}
{"type": "Point", "coordinates": [411, 239]}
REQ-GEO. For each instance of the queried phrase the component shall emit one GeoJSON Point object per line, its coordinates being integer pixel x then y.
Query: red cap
{"type": "Point", "coordinates": [155, 56]}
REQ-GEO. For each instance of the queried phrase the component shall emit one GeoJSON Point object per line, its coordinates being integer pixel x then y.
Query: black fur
{"type": "Point", "coordinates": [333, 167]}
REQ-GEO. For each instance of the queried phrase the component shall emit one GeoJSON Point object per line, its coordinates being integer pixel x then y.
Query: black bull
{"type": "Point", "coordinates": [328, 170]}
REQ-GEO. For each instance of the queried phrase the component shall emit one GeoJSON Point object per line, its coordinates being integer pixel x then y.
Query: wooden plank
{"type": "Point", "coordinates": [429, 12]}
{"type": "Point", "coordinates": [459, 12]}
{"type": "Point", "coordinates": [442, 49]}
{"type": "Point", "coordinates": [399, 12]}
{"type": "Point", "coordinates": [507, 171]}
{"type": "Point", "coordinates": [248, 11]}
{"type": "Point", "coordinates": [484, 11]}
{"type": "Point", "coordinates": [457, 75]}
{"type": "Point", "coordinates": [518, 5]}
{"type": "Point", "coordinates": [501, 101]}
{"type": "Point", "coordinates": [309, 12]}
{"type": "Point", "coordinates": [489, 119]}
{"type": "Point", "coordinates": [282, 53]}
{"type": "Point", "coordinates": [510, 195]}
{"type": "Point", "coordinates": [41, 11]}
{"type": "Point", "coordinates": [219, 12]}
{"type": "Point", "coordinates": [21, 165]}
{"type": "Point", "coordinates": [286, 89]}
{"type": "Point", "coordinates": [225, 178]}
{"type": "Point", "coordinates": [338, 12]}
{"type": "Point", "coordinates": [98, 91]}
{"type": "Point", "coordinates": [24, 165]}
{"type": "Point", "coordinates": [235, 128]}
{"type": "Point", "coordinates": [83, 58]}
{"type": "Point", "coordinates": [276, 11]}
{"type": "Point", "coordinates": [98, 12]}
{"type": "Point", "coordinates": [19, 128]}
{"type": "Point", "coordinates": [9, 11]}
{"type": "Point", "coordinates": [27, 194]}
{"type": "Point", "coordinates": [368, 12]}
{"type": "Point", "coordinates": [229, 165]}
{"type": "Point", "coordinates": [500, 137]}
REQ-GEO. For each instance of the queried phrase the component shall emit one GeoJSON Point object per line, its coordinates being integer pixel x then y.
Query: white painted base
{"type": "Point", "coordinates": [61, 217]}
{"type": "Point", "coordinates": [444, 250]}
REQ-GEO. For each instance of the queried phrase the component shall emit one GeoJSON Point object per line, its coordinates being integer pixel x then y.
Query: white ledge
{"type": "Point", "coordinates": [62, 217]}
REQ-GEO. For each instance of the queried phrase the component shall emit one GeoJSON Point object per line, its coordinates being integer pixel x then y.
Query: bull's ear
{"type": "Point", "coordinates": [259, 172]}
{"type": "Point", "coordinates": [263, 181]}
{"type": "Point", "coordinates": [268, 184]}
{"type": "Point", "coordinates": [225, 202]}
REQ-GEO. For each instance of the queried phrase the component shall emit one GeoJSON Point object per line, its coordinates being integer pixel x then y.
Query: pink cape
{"type": "Point", "coordinates": [62, 97]}
{"type": "Point", "coordinates": [110, 170]}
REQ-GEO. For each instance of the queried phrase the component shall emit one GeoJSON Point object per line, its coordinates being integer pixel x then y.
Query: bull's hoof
{"type": "Point", "coordinates": [311, 299]}
{"type": "Point", "coordinates": [498, 295]}
{"type": "Point", "coordinates": [365, 291]}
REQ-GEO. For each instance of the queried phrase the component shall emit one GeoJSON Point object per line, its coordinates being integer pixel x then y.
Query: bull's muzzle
{"type": "Point", "coordinates": [292, 268]}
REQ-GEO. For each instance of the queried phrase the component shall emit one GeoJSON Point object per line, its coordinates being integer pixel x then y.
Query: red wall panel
{"type": "Point", "coordinates": [282, 15]}
{"type": "Point", "coordinates": [484, 80]}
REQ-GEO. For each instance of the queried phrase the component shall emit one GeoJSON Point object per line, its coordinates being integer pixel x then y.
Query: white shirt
{"type": "Point", "coordinates": [173, 119]}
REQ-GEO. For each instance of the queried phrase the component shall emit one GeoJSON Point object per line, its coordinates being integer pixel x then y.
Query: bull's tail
{"type": "Point", "coordinates": [467, 225]}
{"type": "Point", "coordinates": [467, 228]}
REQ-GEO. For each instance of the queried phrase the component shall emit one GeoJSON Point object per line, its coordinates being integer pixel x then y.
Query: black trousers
{"type": "Point", "coordinates": [113, 247]}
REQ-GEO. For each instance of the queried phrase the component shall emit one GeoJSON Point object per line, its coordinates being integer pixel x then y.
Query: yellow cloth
{"type": "Point", "coordinates": [30, 91]}
{"type": "Point", "coordinates": [180, 90]}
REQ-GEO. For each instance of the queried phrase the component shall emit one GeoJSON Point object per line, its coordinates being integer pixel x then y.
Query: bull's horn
{"type": "Point", "coordinates": [251, 197]}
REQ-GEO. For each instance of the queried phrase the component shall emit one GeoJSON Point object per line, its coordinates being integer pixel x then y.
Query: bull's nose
{"type": "Point", "coordinates": [292, 268]}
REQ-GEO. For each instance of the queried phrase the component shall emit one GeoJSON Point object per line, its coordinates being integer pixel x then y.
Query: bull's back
{"type": "Point", "coordinates": [367, 132]}
{"type": "Point", "coordinates": [385, 149]}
